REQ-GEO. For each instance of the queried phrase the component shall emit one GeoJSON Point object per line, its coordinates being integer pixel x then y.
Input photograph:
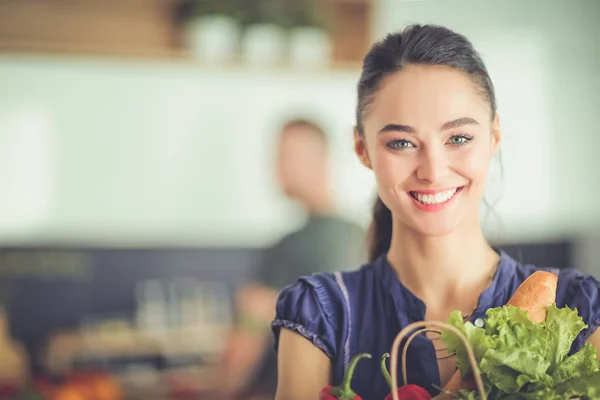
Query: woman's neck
{"type": "Point", "coordinates": [441, 270]}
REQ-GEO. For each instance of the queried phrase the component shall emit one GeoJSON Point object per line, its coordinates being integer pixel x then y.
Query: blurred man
{"type": "Point", "coordinates": [324, 243]}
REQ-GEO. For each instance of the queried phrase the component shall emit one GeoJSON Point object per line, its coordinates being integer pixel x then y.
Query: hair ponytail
{"type": "Point", "coordinates": [380, 232]}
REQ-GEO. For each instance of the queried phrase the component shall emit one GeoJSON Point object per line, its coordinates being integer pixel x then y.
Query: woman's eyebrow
{"type": "Point", "coordinates": [448, 125]}
{"type": "Point", "coordinates": [458, 123]}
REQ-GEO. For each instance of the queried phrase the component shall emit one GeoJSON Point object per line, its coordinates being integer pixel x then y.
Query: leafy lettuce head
{"type": "Point", "coordinates": [520, 359]}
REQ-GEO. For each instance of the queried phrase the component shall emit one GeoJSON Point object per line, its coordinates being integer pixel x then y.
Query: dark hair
{"type": "Point", "coordinates": [416, 45]}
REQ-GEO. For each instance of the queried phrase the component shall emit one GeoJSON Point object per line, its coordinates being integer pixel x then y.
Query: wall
{"type": "Point", "coordinates": [126, 152]}
{"type": "Point", "coordinates": [544, 58]}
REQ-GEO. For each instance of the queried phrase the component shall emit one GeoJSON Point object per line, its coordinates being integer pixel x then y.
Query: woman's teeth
{"type": "Point", "coordinates": [437, 198]}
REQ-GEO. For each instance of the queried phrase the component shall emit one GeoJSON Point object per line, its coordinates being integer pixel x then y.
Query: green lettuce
{"type": "Point", "coordinates": [520, 359]}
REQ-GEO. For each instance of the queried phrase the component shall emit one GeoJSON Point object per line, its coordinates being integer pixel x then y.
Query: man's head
{"type": "Point", "coordinates": [302, 159]}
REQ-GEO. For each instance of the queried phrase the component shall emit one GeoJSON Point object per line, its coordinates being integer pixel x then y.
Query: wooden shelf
{"type": "Point", "coordinates": [117, 25]}
{"type": "Point", "coordinates": [351, 28]}
{"type": "Point", "coordinates": [147, 29]}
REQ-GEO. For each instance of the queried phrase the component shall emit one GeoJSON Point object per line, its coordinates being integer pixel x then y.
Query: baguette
{"type": "Point", "coordinates": [534, 296]}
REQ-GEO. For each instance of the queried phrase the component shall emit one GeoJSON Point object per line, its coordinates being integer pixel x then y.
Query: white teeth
{"type": "Point", "coordinates": [435, 198]}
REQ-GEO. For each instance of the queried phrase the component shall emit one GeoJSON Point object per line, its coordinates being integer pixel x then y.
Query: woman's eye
{"type": "Point", "coordinates": [400, 144]}
{"type": "Point", "coordinates": [459, 140]}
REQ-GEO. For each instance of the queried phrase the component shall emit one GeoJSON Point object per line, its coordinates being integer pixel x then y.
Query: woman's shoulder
{"type": "Point", "coordinates": [315, 306]}
{"type": "Point", "coordinates": [518, 271]}
{"type": "Point", "coordinates": [573, 285]}
{"type": "Point", "coordinates": [330, 290]}
{"type": "Point", "coordinates": [579, 291]}
{"type": "Point", "coordinates": [318, 289]}
{"type": "Point", "coordinates": [575, 289]}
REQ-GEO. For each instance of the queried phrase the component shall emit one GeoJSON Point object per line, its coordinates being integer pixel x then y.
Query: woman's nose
{"type": "Point", "coordinates": [433, 166]}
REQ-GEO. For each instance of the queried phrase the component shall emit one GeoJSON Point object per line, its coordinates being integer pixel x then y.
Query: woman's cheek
{"type": "Point", "coordinates": [474, 164]}
{"type": "Point", "coordinates": [391, 173]}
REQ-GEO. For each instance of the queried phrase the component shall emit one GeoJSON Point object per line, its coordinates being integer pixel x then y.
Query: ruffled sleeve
{"type": "Point", "coordinates": [581, 292]}
{"type": "Point", "coordinates": [310, 307]}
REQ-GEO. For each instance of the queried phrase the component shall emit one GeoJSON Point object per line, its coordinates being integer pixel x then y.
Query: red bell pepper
{"type": "Point", "coordinates": [406, 392]}
{"type": "Point", "coordinates": [343, 391]}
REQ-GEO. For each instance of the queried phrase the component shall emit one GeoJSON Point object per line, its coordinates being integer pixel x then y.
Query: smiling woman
{"type": "Point", "coordinates": [428, 128]}
{"type": "Point", "coordinates": [437, 144]}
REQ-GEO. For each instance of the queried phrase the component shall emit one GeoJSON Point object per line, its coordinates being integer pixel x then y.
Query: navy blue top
{"type": "Point", "coordinates": [346, 313]}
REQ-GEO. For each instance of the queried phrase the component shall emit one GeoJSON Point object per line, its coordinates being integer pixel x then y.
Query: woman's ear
{"type": "Point", "coordinates": [360, 148]}
{"type": "Point", "coordinates": [496, 135]}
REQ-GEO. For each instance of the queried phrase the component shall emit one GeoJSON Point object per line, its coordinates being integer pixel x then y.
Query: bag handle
{"type": "Point", "coordinates": [422, 327]}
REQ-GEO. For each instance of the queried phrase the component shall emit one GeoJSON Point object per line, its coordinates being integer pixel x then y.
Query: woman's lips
{"type": "Point", "coordinates": [432, 201]}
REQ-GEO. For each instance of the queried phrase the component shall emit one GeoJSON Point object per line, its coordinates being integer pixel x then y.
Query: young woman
{"type": "Point", "coordinates": [427, 126]}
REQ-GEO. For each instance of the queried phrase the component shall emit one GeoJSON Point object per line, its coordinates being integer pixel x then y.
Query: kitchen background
{"type": "Point", "coordinates": [137, 143]}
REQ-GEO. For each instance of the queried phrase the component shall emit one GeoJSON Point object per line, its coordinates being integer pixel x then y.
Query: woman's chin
{"type": "Point", "coordinates": [436, 228]}
{"type": "Point", "coordinates": [436, 231]}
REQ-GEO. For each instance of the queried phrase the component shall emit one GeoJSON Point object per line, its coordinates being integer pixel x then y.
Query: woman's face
{"type": "Point", "coordinates": [429, 138]}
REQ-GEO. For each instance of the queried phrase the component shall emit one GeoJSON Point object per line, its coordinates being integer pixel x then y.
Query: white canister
{"type": "Point", "coordinates": [263, 45]}
{"type": "Point", "coordinates": [213, 39]}
{"type": "Point", "coordinates": [310, 47]}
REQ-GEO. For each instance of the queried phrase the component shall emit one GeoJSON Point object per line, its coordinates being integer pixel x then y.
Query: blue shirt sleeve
{"type": "Point", "coordinates": [309, 307]}
{"type": "Point", "coordinates": [581, 292]}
